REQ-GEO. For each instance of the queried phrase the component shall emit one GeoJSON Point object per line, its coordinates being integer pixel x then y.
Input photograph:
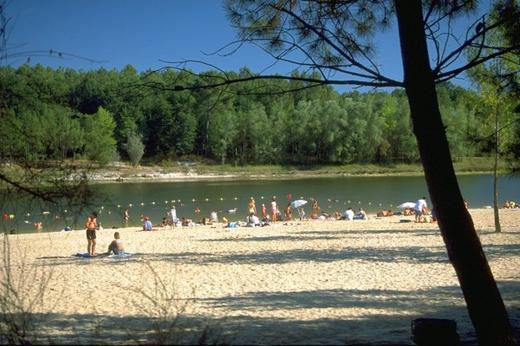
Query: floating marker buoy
{"type": "Point", "coordinates": [348, 201]}
{"type": "Point", "coordinates": [119, 205]}
{"type": "Point", "coordinates": [102, 207]}
{"type": "Point", "coordinates": [221, 198]}
{"type": "Point", "coordinates": [28, 214]}
{"type": "Point", "coordinates": [369, 203]}
{"type": "Point", "coordinates": [193, 199]}
{"type": "Point", "coordinates": [130, 205]}
{"type": "Point", "coordinates": [236, 198]}
{"type": "Point", "coordinates": [261, 197]}
{"type": "Point", "coordinates": [206, 199]}
{"type": "Point", "coordinates": [65, 210]}
{"type": "Point", "coordinates": [153, 203]}
{"type": "Point", "coordinates": [142, 204]}
{"type": "Point", "coordinates": [26, 221]}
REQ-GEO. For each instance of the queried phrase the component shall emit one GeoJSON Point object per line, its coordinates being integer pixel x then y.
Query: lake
{"type": "Point", "coordinates": [337, 193]}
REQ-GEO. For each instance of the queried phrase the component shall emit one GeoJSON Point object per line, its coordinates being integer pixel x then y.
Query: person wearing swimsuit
{"type": "Point", "coordinates": [91, 226]}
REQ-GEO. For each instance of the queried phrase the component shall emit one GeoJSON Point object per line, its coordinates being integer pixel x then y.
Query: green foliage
{"type": "Point", "coordinates": [100, 144]}
{"type": "Point", "coordinates": [134, 148]}
{"type": "Point", "coordinates": [63, 114]}
{"type": "Point", "coordinates": [498, 83]}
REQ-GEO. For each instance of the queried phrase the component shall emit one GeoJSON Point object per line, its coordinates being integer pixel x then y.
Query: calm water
{"type": "Point", "coordinates": [155, 199]}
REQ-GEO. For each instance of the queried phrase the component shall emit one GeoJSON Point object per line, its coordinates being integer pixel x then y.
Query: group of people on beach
{"type": "Point", "coordinates": [116, 246]}
{"type": "Point", "coordinates": [420, 210]}
{"type": "Point", "coordinates": [275, 215]}
{"type": "Point", "coordinates": [263, 216]}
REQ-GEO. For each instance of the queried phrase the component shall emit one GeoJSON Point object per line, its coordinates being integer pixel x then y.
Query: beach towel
{"type": "Point", "coordinates": [104, 255]}
{"type": "Point", "coordinates": [87, 255]}
{"type": "Point", "coordinates": [121, 255]}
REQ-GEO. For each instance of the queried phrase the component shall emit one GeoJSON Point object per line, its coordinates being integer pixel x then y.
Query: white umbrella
{"type": "Point", "coordinates": [407, 205]}
{"type": "Point", "coordinates": [298, 203]}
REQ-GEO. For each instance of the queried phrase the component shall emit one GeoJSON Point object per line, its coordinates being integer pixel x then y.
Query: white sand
{"type": "Point", "coordinates": [316, 282]}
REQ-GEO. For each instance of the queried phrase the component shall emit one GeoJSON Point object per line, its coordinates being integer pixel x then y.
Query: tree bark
{"type": "Point", "coordinates": [495, 177]}
{"type": "Point", "coordinates": [485, 306]}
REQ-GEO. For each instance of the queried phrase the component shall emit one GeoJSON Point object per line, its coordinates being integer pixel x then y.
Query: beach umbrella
{"type": "Point", "coordinates": [298, 203]}
{"type": "Point", "coordinates": [407, 205]}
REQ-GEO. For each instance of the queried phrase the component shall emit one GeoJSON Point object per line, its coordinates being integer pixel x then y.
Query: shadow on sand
{"type": "Point", "coordinates": [239, 327]}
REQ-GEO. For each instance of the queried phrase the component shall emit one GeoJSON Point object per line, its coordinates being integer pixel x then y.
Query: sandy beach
{"type": "Point", "coordinates": [312, 282]}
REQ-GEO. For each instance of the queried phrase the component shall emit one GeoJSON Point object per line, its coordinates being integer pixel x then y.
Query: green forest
{"type": "Point", "coordinates": [106, 115]}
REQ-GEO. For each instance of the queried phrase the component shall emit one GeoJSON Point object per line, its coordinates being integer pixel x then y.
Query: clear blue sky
{"type": "Point", "coordinates": [140, 33]}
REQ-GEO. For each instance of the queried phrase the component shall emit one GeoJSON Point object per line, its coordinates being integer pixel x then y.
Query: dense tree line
{"type": "Point", "coordinates": [103, 115]}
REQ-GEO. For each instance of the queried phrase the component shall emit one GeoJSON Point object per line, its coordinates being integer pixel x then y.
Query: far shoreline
{"type": "Point", "coordinates": [158, 177]}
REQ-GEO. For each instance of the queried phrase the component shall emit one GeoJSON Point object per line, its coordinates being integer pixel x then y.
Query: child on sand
{"type": "Point", "coordinates": [116, 246]}
{"type": "Point", "coordinates": [264, 212]}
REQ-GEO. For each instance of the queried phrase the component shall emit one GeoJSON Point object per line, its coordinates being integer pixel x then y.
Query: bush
{"type": "Point", "coordinates": [135, 148]}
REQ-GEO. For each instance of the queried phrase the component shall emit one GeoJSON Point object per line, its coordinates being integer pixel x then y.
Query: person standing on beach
{"type": "Point", "coordinates": [288, 212]}
{"type": "Point", "coordinates": [420, 207]}
{"type": "Point", "coordinates": [91, 226]}
{"type": "Point", "coordinates": [251, 206]}
{"type": "Point", "coordinates": [126, 216]}
{"type": "Point", "coordinates": [274, 209]}
{"type": "Point", "coordinates": [173, 215]}
{"type": "Point", "coordinates": [38, 226]}
{"type": "Point", "coordinates": [315, 209]}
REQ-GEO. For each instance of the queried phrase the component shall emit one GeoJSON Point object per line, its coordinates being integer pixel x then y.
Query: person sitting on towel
{"type": "Point", "coordinates": [116, 246]}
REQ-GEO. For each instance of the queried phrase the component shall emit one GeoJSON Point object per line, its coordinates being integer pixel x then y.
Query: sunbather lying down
{"type": "Point", "coordinates": [385, 213]}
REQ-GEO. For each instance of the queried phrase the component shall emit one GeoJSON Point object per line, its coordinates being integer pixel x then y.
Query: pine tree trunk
{"type": "Point", "coordinates": [485, 306]}
{"type": "Point", "coordinates": [495, 178]}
